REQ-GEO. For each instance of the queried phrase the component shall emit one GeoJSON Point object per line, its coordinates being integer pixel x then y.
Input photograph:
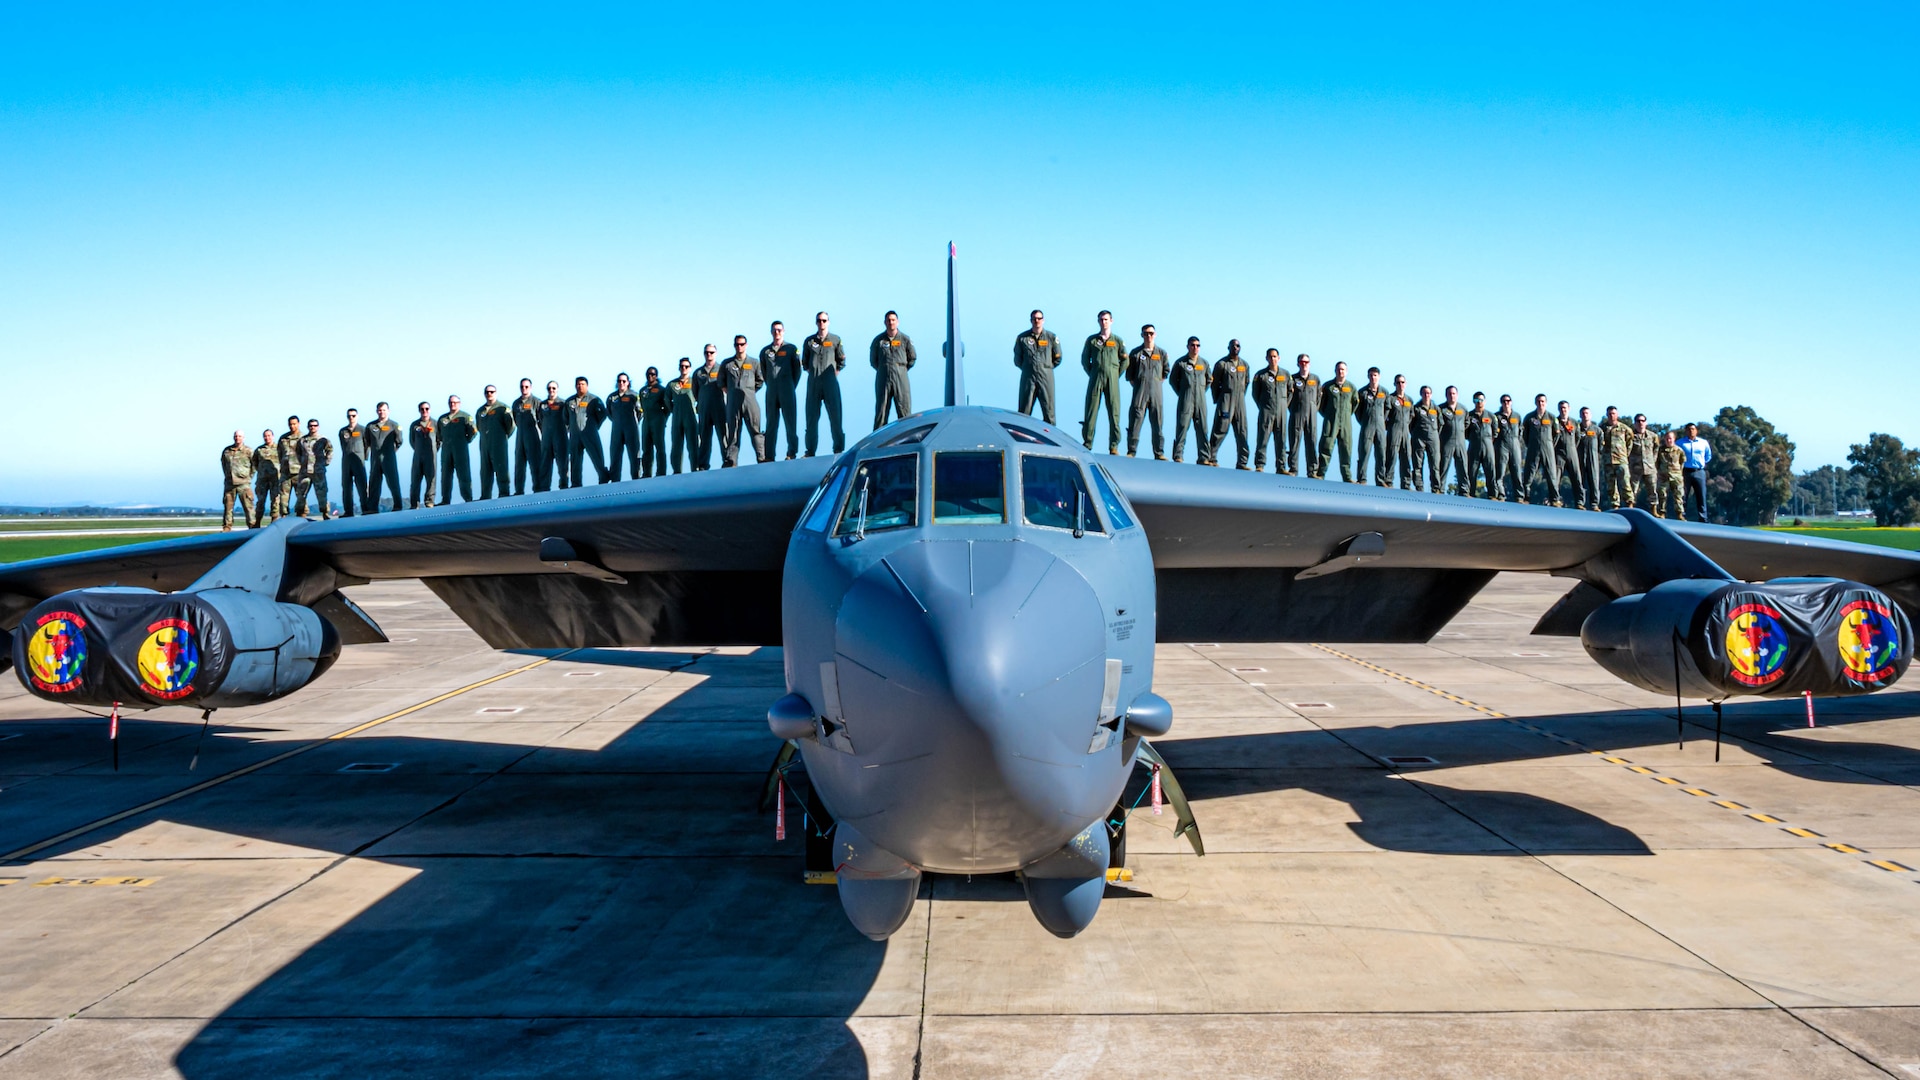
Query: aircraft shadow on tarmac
{"type": "Point", "coordinates": [623, 909]}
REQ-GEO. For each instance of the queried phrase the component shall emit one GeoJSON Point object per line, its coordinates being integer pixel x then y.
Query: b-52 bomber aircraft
{"type": "Point", "coordinates": [968, 605]}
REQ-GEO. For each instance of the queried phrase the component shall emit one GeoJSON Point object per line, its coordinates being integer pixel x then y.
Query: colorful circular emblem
{"type": "Point", "coordinates": [1756, 645]}
{"type": "Point", "coordinates": [57, 652]}
{"type": "Point", "coordinates": [1869, 640]}
{"type": "Point", "coordinates": [169, 659]}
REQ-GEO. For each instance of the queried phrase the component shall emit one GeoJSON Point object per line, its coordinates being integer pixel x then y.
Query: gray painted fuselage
{"type": "Point", "coordinates": [960, 670]}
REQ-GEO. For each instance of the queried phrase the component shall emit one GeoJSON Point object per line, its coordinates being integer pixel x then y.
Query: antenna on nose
{"type": "Point", "coordinates": [954, 349]}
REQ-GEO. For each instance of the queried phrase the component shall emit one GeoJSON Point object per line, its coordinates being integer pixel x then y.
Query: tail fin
{"type": "Point", "coordinates": [954, 349]}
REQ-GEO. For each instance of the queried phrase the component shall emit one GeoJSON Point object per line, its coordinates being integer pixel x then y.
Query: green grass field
{"type": "Point", "coordinates": [17, 550]}
{"type": "Point", "coordinates": [62, 524]}
{"type": "Point", "coordinates": [1905, 539]}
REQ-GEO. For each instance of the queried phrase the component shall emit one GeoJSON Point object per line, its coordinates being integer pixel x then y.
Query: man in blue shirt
{"type": "Point", "coordinates": [1693, 473]}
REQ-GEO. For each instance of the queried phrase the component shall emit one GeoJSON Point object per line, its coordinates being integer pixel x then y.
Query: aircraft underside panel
{"type": "Point", "coordinates": [562, 611]}
{"type": "Point", "coordinates": [1272, 604]}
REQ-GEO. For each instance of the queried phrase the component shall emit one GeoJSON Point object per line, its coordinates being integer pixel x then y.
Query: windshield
{"type": "Point", "coordinates": [825, 500]}
{"type": "Point", "coordinates": [969, 488]}
{"type": "Point", "coordinates": [891, 486]}
{"type": "Point", "coordinates": [1053, 492]}
{"type": "Point", "coordinates": [1116, 510]}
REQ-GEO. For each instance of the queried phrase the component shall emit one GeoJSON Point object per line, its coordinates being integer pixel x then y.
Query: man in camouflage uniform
{"type": "Point", "coordinates": [623, 423]}
{"type": "Point", "coordinates": [1672, 461]}
{"type": "Point", "coordinates": [319, 457]}
{"type": "Point", "coordinates": [1303, 409]}
{"type": "Point", "coordinates": [304, 468]}
{"type": "Point", "coordinates": [1566, 455]}
{"type": "Point", "coordinates": [585, 415]}
{"type": "Point", "coordinates": [454, 434]}
{"type": "Point", "coordinates": [528, 455]}
{"type": "Point", "coordinates": [1400, 433]}
{"type": "Point", "coordinates": [684, 411]}
{"type": "Point", "coordinates": [1481, 424]}
{"type": "Point", "coordinates": [1336, 416]}
{"type": "Point", "coordinates": [1507, 452]}
{"type": "Point", "coordinates": [1592, 475]}
{"type": "Point", "coordinates": [1542, 435]}
{"type": "Point", "coordinates": [1453, 445]}
{"type": "Point", "coordinates": [656, 407]}
{"type": "Point", "coordinates": [1146, 370]}
{"type": "Point", "coordinates": [383, 458]}
{"type": "Point", "coordinates": [551, 411]}
{"type": "Point", "coordinates": [292, 467]}
{"type": "Point", "coordinates": [353, 464]}
{"type": "Point", "coordinates": [1036, 352]}
{"type": "Point", "coordinates": [1370, 407]}
{"type": "Point", "coordinates": [741, 376]}
{"type": "Point", "coordinates": [892, 356]}
{"type": "Point", "coordinates": [1618, 436]}
{"type": "Point", "coordinates": [1229, 406]}
{"type": "Point", "coordinates": [494, 419]}
{"type": "Point", "coordinates": [710, 392]}
{"type": "Point", "coordinates": [1643, 461]}
{"type": "Point", "coordinates": [426, 448]}
{"type": "Point", "coordinates": [1190, 379]}
{"type": "Point", "coordinates": [1272, 390]}
{"type": "Point", "coordinates": [266, 479]}
{"type": "Point", "coordinates": [780, 371]}
{"type": "Point", "coordinates": [1103, 358]}
{"type": "Point", "coordinates": [823, 356]}
{"type": "Point", "coordinates": [236, 473]}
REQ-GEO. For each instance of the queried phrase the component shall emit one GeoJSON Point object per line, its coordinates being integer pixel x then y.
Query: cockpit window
{"type": "Point", "coordinates": [1110, 495]}
{"type": "Point", "coordinates": [826, 499]}
{"type": "Point", "coordinates": [1025, 436]}
{"type": "Point", "coordinates": [1054, 493]}
{"type": "Point", "coordinates": [908, 438]}
{"type": "Point", "coordinates": [969, 488]}
{"type": "Point", "coordinates": [884, 494]}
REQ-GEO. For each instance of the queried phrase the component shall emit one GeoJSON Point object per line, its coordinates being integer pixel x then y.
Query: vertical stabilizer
{"type": "Point", "coordinates": [954, 350]}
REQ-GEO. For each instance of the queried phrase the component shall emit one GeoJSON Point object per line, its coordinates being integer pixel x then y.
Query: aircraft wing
{"type": "Point", "coordinates": [1245, 556]}
{"type": "Point", "coordinates": [614, 564]}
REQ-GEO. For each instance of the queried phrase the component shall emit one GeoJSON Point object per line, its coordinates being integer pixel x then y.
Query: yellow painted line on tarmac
{"type": "Point", "coordinates": [1768, 818]}
{"type": "Point", "coordinates": [1845, 849]}
{"type": "Point", "coordinates": [195, 789]}
{"type": "Point", "coordinates": [1807, 834]}
{"type": "Point", "coordinates": [1641, 769]}
{"type": "Point", "coordinates": [1413, 682]}
{"type": "Point", "coordinates": [1702, 792]}
{"type": "Point", "coordinates": [5, 881]}
{"type": "Point", "coordinates": [1609, 758]}
{"type": "Point", "coordinates": [1729, 804]}
{"type": "Point", "coordinates": [1890, 865]}
{"type": "Point", "coordinates": [69, 882]}
{"type": "Point", "coordinates": [1668, 780]}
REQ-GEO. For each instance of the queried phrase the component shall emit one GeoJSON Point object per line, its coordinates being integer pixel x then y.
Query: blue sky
{"type": "Point", "coordinates": [211, 220]}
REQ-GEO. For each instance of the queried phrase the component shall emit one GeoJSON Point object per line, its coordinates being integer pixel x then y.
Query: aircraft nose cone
{"type": "Point", "coordinates": [972, 673]}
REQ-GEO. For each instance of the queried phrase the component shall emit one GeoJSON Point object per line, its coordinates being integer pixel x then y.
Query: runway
{"type": "Point", "coordinates": [1480, 857]}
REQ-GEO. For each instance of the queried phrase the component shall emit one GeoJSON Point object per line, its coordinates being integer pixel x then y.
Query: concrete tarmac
{"type": "Point", "coordinates": [1479, 857]}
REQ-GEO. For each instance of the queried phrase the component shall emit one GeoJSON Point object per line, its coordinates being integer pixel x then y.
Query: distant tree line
{"type": "Point", "coordinates": [1751, 478]}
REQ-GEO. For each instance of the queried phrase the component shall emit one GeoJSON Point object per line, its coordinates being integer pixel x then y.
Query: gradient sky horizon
{"type": "Point", "coordinates": [210, 220]}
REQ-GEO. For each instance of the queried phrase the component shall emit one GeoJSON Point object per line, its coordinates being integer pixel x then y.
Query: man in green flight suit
{"type": "Point", "coordinates": [1566, 455]}
{"type": "Point", "coordinates": [425, 447]}
{"type": "Point", "coordinates": [1481, 430]}
{"type": "Point", "coordinates": [892, 356]}
{"type": "Point", "coordinates": [585, 414]}
{"type": "Point", "coordinates": [551, 411]}
{"type": "Point", "coordinates": [528, 456]}
{"type": "Point", "coordinates": [780, 371]}
{"type": "Point", "coordinates": [656, 405]}
{"type": "Point", "coordinates": [353, 465]}
{"type": "Point", "coordinates": [1036, 352]}
{"type": "Point", "coordinates": [454, 432]}
{"type": "Point", "coordinates": [710, 396]}
{"type": "Point", "coordinates": [236, 473]}
{"type": "Point", "coordinates": [1303, 410]}
{"type": "Point", "coordinates": [1424, 429]}
{"type": "Point", "coordinates": [741, 377]}
{"type": "Point", "coordinates": [1336, 418]}
{"type": "Point", "coordinates": [1103, 358]}
{"type": "Point", "coordinates": [1271, 389]}
{"type": "Point", "coordinates": [1229, 406]}
{"type": "Point", "coordinates": [1400, 433]}
{"type": "Point", "coordinates": [1507, 452]}
{"type": "Point", "coordinates": [823, 357]}
{"type": "Point", "coordinates": [1370, 407]}
{"type": "Point", "coordinates": [1190, 378]}
{"type": "Point", "coordinates": [1592, 474]}
{"type": "Point", "coordinates": [623, 424]}
{"type": "Point", "coordinates": [266, 479]}
{"type": "Point", "coordinates": [383, 458]}
{"type": "Point", "coordinates": [1146, 371]}
{"type": "Point", "coordinates": [494, 419]}
{"type": "Point", "coordinates": [684, 433]}
{"type": "Point", "coordinates": [1453, 444]}
{"type": "Point", "coordinates": [1541, 432]}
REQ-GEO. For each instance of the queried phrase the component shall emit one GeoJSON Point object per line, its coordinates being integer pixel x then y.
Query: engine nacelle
{"type": "Point", "coordinates": [1716, 639]}
{"type": "Point", "coordinates": [143, 649]}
